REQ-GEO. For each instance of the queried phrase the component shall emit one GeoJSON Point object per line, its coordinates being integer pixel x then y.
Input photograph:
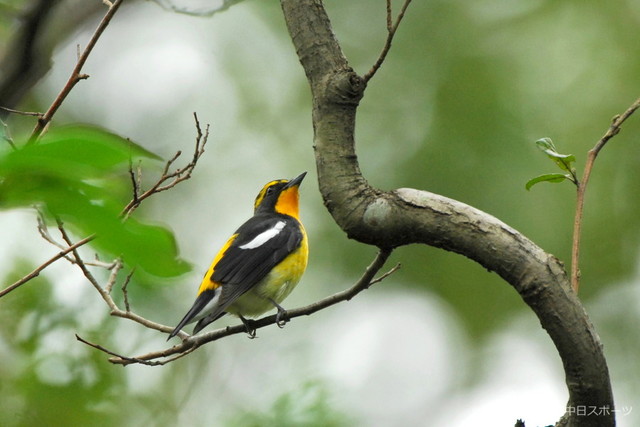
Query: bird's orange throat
{"type": "Point", "coordinates": [288, 203]}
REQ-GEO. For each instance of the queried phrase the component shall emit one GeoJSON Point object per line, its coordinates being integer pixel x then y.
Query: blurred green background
{"type": "Point", "coordinates": [465, 91]}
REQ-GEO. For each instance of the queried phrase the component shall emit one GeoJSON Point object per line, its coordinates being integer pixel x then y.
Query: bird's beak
{"type": "Point", "coordinates": [295, 181]}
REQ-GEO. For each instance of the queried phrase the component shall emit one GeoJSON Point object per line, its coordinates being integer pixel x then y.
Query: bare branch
{"type": "Point", "coordinates": [613, 130]}
{"type": "Point", "coordinates": [22, 113]}
{"type": "Point", "coordinates": [6, 135]}
{"type": "Point", "coordinates": [190, 343]}
{"type": "Point", "coordinates": [135, 181]}
{"type": "Point", "coordinates": [116, 355]}
{"type": "Point", "coordinates": [76, 74]}
{"type": "Point", "coordinates": [127, 307]}
{"type": "Point", "coordinates": [391, 32]}
{"type": "Point", "coordinates": [44, 233]}
{"type": "Point", "coordinates": [105, 292]}
{"type": "Point", "coordinates": [37, 271]}
{"type": "Point", "coordinates": [80, 263]}
{"type": "Point", "coordinates": [113, 276]}
{"type": "Point", "coordinates": [168, 179]}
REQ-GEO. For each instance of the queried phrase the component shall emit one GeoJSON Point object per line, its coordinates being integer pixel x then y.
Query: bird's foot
{"type": "Point", "coordinates": [282, 317]}
{"type": "Point", "coordinates": [249, 327]}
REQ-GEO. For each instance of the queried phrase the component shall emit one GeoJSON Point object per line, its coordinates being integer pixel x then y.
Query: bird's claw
{"type": "Point", "coordinates": [281, 318]}
{"type": "Point", "coordinates": [249, 327]}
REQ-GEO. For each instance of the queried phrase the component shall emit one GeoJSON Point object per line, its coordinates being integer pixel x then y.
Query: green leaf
{"type": "Point", "coordinates": [80, 150]}
{"type": "Point", "coordinates": [69, 174]}
{"type": "Point", "coordinates": [550, 177]}
{"type": "Point", "coordinates": [546, 144]}
{"type": "Point", "coordinates": [563, 161]}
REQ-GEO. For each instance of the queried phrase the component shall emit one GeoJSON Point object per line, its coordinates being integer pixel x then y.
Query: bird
{"type": "Point", "coordinates": [259, 265]}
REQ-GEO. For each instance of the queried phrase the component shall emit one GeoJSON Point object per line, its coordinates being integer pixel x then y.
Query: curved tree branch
{"type": "Point", "coordinates": [405, 216]}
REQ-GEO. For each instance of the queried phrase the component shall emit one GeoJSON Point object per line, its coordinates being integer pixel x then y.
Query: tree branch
{"type": "Point", "coordinates": [406, 216]}
{"type": "Point", "coordinates": [35, 273]}
{"type": "Point", "coordinates": [76, 75]}
{"type": "Point", "coordinates": [391, 32]}
{"type": "Point", "coordinates": [613, 130]}
{"type": "Point", "coordinates": [168, 179]}
{"type": "Point", "coordinates": [190, 343]}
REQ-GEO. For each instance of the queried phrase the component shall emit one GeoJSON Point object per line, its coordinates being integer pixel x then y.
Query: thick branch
{"type": "Point", "coordinates": [405, 216]}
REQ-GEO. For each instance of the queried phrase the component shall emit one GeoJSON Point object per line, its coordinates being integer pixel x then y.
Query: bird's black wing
{"type": "Point", "coordinates": [261, 244]}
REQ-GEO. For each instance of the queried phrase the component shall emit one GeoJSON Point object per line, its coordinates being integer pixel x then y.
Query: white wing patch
{"type": "Point", "coordinates": [264, 237]}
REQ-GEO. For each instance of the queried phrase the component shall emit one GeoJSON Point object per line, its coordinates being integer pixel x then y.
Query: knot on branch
{"type": "Point", "coordinates": [344, 87]}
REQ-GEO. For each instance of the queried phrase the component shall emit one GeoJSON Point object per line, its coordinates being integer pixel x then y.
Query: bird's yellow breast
{"type": "Point", "coordinates": [276, 285]}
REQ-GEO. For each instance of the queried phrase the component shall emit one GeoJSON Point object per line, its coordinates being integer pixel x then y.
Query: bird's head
{"type": "Point", "coordinates": [280, 196]}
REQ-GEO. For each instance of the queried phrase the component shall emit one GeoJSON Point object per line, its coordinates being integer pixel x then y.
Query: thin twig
{"type": "Point", "coordinates": [135, 182]}
{"type": "Point", "coordinates": [125, 294]}
{"type": "Point", "coordinates": [85, 271]}
{"type": "Point", "coordinates": [37, 271]}
{"type": "Point", "coordinates": [169, 179]}
{"type": "Point", "coordinates": [113, 276]}
{"type": "Point", "coordinates": [119, 356]}
{"type": "Point", "coordinates": [613, 130]}
{"type": "Point", "coordinates": [44, 232]}
{"type": "Point", "coordinates": [391, 32]}
{"type": "Point", "coordinates": [7, 135]}
{"type": "Point", "coordinates": [190, 343]}
{"type": "Point", "coordinates": [22, 113]}
{"type": "Point", "coordinates": [43, 229]}
{"type": "Point", "coordinates": [389, 17]}
{"type": "Point", "coordinates": [76, 75]}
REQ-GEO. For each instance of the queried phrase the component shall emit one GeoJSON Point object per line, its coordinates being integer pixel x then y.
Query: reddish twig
{"type": "Point", "coordinates": [613, 130]}
{"type": "Point", "coordinates": [76, 74]}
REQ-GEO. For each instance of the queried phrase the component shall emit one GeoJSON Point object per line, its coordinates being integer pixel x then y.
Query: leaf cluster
{"type": "Point", "coordinates": [563, 161]}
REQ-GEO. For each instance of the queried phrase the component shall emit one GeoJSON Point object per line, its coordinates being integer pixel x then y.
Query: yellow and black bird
{"type": "Point", "coordinates": [259, 265]}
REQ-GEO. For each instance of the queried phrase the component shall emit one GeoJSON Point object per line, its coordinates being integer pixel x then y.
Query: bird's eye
{"type": "Point", "coordinates": [269, 191]}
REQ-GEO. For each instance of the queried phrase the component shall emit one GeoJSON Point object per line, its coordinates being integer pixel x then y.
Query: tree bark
{"type": "Point", "coordinates": [405, 216]}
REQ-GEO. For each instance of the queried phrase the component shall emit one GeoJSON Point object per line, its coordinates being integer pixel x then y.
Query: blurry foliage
{"type": "Point", "coordinates": [43, 382]}
{"type": "Point", "coordinates": [69, 175]}
{"type": "Point", "coordinates": [309, 406]}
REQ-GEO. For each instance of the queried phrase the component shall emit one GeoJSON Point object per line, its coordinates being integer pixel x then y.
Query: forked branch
{"type": "Point", "coordinates": [169, 178]}
{"type": "Point", "coordinates": [392, 27]}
